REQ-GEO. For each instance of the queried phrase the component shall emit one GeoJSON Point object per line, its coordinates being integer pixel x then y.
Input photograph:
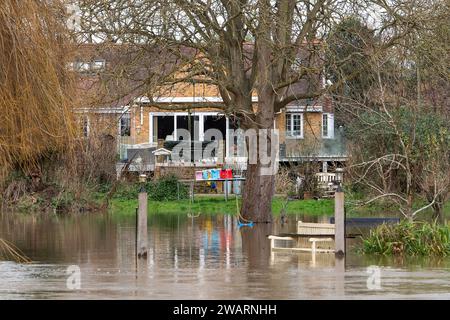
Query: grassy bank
{"type": "Point", "coordinates": [217, 205]}
{"type": "Point", "coordinates": [163, 195]}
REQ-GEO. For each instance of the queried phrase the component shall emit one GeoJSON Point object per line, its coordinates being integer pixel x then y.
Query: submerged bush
{"type": "Point", "coordinates": [408, 238]}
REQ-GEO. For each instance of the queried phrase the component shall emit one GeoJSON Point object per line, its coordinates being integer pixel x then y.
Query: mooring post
{"type": "Point", "coordinates": [142, 219]}
{"type": "Point", "coordinates": [339, 219]}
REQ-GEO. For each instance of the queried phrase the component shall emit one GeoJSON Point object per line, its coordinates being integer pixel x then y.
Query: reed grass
{"type": "Point", "coordinates": [408, 238]}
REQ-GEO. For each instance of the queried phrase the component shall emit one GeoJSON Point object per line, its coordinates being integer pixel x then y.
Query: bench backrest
{"type": "Point", "coordinates": [315, 228]}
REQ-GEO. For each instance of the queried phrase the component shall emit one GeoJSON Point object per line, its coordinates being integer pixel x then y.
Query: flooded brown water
{"type": "Point", "coordinates": [208, 257]}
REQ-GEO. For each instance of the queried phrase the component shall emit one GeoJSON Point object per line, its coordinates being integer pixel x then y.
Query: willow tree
{"type": "Point", "coordinates": [268, 48]}
{"type": "Point", "coordinates": [34, 89]}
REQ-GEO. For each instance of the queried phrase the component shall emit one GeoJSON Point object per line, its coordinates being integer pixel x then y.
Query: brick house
{"type": "Point", "coordinates": [147, 128]}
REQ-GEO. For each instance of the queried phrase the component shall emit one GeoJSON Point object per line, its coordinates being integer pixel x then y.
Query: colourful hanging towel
{"type": "Point", "coordinates": [223, 174]}
{"type": "Point", "coordinates": [215, 174]}
{"type": "Point", "coordinates": [198, 175]}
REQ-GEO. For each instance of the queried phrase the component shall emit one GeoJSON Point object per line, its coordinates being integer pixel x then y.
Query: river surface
{"type": "Point", "coordinates": [205, 257]}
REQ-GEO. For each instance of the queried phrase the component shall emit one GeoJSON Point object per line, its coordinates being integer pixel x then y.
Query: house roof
{"type": "Point", "coordinates": [132, 73]}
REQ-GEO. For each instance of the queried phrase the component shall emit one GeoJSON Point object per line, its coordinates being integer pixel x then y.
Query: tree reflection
{"type": "Point", "coordinates": [255, 244]}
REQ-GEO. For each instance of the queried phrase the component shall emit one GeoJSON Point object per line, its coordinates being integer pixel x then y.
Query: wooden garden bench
{"type": "Point", "coordinates": [312, 249]}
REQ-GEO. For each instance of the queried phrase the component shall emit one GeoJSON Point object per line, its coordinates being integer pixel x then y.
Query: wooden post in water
{"type": "Point", "coordinates": [226, 189]}
{"type": "Point", "coordinates": [142, 220]}
{"type": "Point", "coordinates": [339, 221]}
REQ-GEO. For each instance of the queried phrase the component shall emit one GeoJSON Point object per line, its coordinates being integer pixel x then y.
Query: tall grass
{"type": "Point", "coordinates": [409, 238]}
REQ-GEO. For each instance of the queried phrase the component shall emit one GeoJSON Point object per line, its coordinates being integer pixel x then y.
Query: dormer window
{"type": "Point", "coordinates": [98, 65]}
{"type": "Point", "coordinates": [87, 66]}
{"type": "Point", "coordinates": [309, 102]}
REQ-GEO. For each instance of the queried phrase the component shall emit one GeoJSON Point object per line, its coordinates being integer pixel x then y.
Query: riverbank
{"type": "Point", "coordinates": [218, 205]}
{"type": "Point", "coordinates": [213, 204]}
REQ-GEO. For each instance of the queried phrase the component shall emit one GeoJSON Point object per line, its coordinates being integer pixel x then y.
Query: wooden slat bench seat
{"type": "Point", "coordinates": [305, 228]}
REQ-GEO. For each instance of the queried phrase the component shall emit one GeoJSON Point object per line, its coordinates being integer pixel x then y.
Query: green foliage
{"type": "Point", "coordinates": [163, 189]}
{"type": "Point", "coordinates": [63, 201]}
{"type": "Point", "coordinates": [424, 132]}
{"type": "Point", "coordinates": [349, 45]}
{"type": "Point", "coordinates": [166, 188]}
{"type": "Point", "coordinates": [426, 139]}
{"type": "Point", "coordinates": [408, 238]}
{"type": "Point", "coordinates": [68, 201]}
{"type": "Point", "coordinates": [127, 191]}
{"type": "Point", "coordinates": [217, 205]}
{"type": "Point", "coordinates": [28, 203]}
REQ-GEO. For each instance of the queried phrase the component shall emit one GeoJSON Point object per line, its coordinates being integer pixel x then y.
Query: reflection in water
{"type": "Point", "coordinates": [255, 245]}
{"type": "Point", "coordinates": [193, 258]}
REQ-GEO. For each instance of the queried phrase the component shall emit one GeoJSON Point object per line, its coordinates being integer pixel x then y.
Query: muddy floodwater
{"type": "Point", "coordinates": [205, 257]}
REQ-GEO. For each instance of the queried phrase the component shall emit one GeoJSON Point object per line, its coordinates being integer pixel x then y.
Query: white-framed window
{"type": "Point", "coordinates": [327, 125]}
{"type": "Point", "coordinates": [125, 125]}
{"type": "Point", "coordinates": [98, 65]}
{"type": "Point", "coordinates": [294, 125]}
{"type": "Point", "coordinates": [83, 66]}
{"type": "Point", "coordinates": [84, 124]}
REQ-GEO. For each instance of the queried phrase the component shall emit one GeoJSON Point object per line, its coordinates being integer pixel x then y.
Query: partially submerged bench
{"type": "Point", "coordinates": [312, 249]}
{"type": "Point", "coordinates": [308, 238]}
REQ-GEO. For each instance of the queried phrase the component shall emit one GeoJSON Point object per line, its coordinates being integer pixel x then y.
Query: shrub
{"type": "Point", "coordinates": [166, 188]}
{"type": "Point", "coordinates": [408, 238]}
{"type": "Point", "coordinates": [127, 191]}
{"type": "Point", "coordinates": [163, 189]}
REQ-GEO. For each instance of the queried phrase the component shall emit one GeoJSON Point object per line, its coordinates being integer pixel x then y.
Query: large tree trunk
{"type": "Point", "coordinates": [257, 195]}
{"type": "Point", "coordinates": [260, 178]}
